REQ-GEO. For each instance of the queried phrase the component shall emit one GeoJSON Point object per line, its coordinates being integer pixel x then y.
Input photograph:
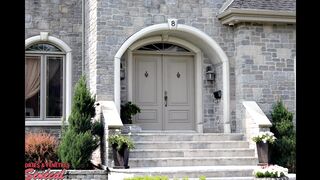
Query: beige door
{"type": "Point", "coordinates": [164, 90]}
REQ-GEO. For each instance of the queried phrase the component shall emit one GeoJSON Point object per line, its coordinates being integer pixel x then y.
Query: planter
{"type": "Point", "coordinates": [263, 153]}
{"type": "Point", "coordinates": [121, 157]}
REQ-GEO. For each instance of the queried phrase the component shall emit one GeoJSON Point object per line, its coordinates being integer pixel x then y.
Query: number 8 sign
{"type": "Point", "coordinates": [172, 23]}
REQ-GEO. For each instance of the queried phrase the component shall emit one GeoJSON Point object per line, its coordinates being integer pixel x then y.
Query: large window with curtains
{"type": "Point", "coordinates": [44, 82]}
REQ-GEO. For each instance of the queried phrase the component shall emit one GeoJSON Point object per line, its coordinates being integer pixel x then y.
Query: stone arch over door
{"type": "Point", "coordinates": [186, 34]}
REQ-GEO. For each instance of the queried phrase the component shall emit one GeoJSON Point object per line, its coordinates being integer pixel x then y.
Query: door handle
{"type": "Point", "coordinates": [165, 98]}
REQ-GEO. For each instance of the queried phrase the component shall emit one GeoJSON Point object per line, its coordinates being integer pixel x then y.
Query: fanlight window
{"type": "Point", "coordinates": [43, 47]}
{"type": "Point", "coordinates": [163, 47]}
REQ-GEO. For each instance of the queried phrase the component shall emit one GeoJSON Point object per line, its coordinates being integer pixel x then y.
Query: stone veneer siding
{"type": "Point", "coordinates": [62, 19]}
{"type": "Point", "coordinates": [265, 60]}
{"type": "Point", "coordinates": [261, 56]}
{"type": "Point", "coordinates": [52, 130]}
{"type": "Point", "coordinates": [116, 21]}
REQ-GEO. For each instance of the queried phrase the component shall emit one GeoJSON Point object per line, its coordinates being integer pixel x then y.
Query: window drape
{"type": "Point", "coordinates": [32, 76]}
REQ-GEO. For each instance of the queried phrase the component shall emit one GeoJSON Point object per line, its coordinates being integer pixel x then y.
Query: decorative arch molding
{"type": "Point", "coordinates": [45, 37]}
{"type": "Point", "coordinates": [199, 39]}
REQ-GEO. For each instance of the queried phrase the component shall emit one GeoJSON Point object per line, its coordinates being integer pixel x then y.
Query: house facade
{"type": "Point", "coordinates": [188, 65]}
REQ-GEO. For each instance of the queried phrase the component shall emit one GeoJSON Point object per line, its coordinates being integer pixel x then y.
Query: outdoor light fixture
{"type": "Point", "coordinates": [122, 72]}
{"type": "Point", "coordinates": [210, 75]}
{"type": "Point", "coordinates": [217, 94]}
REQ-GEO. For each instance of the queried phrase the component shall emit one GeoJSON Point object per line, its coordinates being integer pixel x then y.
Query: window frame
{"type": "Point", "coordinates": [43, 85]}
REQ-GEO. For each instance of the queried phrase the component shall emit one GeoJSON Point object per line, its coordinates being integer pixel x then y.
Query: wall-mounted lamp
{"type": "Point", "coordinates": [210, 75]}
{"type": "Point", "coordinates": [217, 94]}
{"type": "Point", "coordinates": [122, 72]}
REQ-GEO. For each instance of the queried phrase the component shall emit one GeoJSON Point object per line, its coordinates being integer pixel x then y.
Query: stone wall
{"type": "Point", "coordinates": [53, 130]}
{"type": "Point", "coordinates": [86, 175]}
{"type": "Point", "coordinates": [265, 60]}
{"type": "Point", "coordinates": [118, 20]}
{"type": "Point", "coordinates": [91, 44]}
{"type": "Point", "coordinates": [62, 19]}
{"type": "Point", "coordinates": [212, 108]}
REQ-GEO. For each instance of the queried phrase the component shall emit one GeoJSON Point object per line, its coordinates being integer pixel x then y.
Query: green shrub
{"type": "Point", "coordinates": [202, 178]}
{"type": "Point", "coordinates": [120, 140]}
{"type": "Point", "coordinates": [283, 151]}
{"type": "Point", "coordinates": [80, 138]}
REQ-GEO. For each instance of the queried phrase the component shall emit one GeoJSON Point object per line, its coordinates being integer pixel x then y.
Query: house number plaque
{"type": "Point", "coordinates": [172, 23]}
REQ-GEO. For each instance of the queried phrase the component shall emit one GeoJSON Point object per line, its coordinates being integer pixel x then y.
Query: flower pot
{"type": "Point", "coordinates": [263, 153]}
{"type": "Point", "coordinates": [121, 157]}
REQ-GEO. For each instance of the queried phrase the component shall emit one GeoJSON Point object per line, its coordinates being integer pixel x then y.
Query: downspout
{"type": "Point", "coordinates": [83, 34]}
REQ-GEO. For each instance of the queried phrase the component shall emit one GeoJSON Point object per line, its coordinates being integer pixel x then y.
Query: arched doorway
{"type": "Point", "coordinates": [184, 34]}
{"type": "Point", "coordinates": [164, 80]}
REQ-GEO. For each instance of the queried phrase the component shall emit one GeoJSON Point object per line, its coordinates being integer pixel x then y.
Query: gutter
{"type": "Point", "coordinates": [233, 16]}
{"type": "Point", "coordinates": [83, 38]}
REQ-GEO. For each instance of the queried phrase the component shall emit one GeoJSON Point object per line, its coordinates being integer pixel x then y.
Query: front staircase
{"type": "Point", "coordinates": [178, 155]}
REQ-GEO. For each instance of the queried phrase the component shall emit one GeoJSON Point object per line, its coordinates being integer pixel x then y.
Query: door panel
{"type": "Point", "coordinates": [178, 82]}
{"type": "Point", "coordinates": [159, 75]}
{"type": "Point", "coordinates": [148, 89]}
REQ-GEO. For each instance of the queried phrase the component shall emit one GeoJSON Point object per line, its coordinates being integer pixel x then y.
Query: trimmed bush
{"type": "Point", "coordinates": [81, 137]}
{"type": "Point", "coordinates": [40, 147]}
{"type": "Point", "coordinates": [283, 151]}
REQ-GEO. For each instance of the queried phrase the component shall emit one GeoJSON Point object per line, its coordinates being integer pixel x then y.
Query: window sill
{"type": "Point", "coordinates": [44, 123]}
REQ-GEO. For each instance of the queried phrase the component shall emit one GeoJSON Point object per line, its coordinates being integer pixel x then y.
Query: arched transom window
{"type": "Point", "coordinates": [44, 82]}
{"type": "Point", "coordinates": [163, 47]}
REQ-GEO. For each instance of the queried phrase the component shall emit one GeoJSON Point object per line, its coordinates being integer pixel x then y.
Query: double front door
{"type": "Point", "coordinates": [163, 88]}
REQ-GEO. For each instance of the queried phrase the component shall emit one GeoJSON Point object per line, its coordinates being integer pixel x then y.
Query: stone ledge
{"type": "Point", "coordinates": [86, 174]}
{"type": "Point", "coordinates": [71, 172]}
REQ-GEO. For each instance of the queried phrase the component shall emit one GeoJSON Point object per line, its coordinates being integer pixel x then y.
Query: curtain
{"type": "Point", "coordinates": [32, 76]}
{"type": "Point", "coordinates": [54, 64]}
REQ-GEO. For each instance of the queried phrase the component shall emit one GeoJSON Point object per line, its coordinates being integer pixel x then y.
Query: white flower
{"type": "Point", "coordinates": [264, 137]}
{"type": "Point", "coordinates": [272, 169]}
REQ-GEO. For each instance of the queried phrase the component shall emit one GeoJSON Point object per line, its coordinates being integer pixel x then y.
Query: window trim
{"type": "Point", "coordinates": [45, 37]}
{"type": "Point", "coordinates": [43, 87]}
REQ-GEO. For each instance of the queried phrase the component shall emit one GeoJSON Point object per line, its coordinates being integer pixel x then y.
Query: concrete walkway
{"type": "Point", "coordinates": [175, 172]}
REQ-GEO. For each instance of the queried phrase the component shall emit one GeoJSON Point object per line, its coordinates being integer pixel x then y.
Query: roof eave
{"type": "Point", "coordinates": [233, 16]}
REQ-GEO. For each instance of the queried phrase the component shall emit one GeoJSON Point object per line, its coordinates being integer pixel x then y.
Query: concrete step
{"type": "Point", "coordinates": [192, 161]}
{"type": "Point", "coordinates": [156, 137]}
{"type": "Point", "coordinates": [161, 153]}
{"type": "Point", "coordinates": [188, 171]}
{"type": "Point", "coordinates": [191, 144]}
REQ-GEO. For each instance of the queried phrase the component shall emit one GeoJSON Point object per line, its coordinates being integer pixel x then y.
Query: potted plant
{"type": "Point", "coordinates": [121, 145]}
{"type": "Point", "coordinates": [270, 172]}
{"type": "Point", "coordinates": [262, 140]}
{"type": "Point", "coordinates": [128, 110]}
